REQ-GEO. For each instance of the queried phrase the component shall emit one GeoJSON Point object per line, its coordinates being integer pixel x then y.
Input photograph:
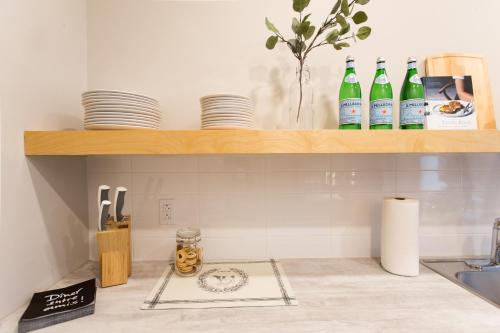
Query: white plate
{"type": "Point", "coordinates": [93, 102]}
{"type": "Point", "coordinates": [232, 104]}
{"type": "Point", "coordinates": [118, 120]}
{"type": "Point", "coordinates": [122, 123]}
{"type": "Point", "coordinates": [228, 127]}
{"type": "Point", "coordinates": [225, 107]}
{"type": "Point", "coordinates": [115, 110]}
{"type": "Point", "coordinates": [225, 101]}
{"type": "Point", "coordinates": [108, 118]}
{"type": "Point", "coordinates": [237, 123]}
{"type": "Point", "coordinates": [228, 118]}
{"type": "Point", "coordinates": [227, 113]}
{"type": "Point", "coordinates": [233, 116]}
{"type": "Point", "coordinates": [125, 94]}
{"type": "Point", "coordinates": [98, 96]}
{"type": "Point", "coordinates": [120, 101]}
{"type": "Point", "coordinates": [221, 96]}
{"type": "Point", "coordinates": [229, 102]}
{"type": "Point", "coordinates": [121, 114]}
{"type": "Point", "coordinates": [128, 105]}
{"type": "Point", "coordinates": [114, 119]}
{"type": "Point", "coordinates": [117, 127]}
{"type": "Point", "coordinates": [123, 107]}
{"type": "Point", "coordinates": [123, 110]}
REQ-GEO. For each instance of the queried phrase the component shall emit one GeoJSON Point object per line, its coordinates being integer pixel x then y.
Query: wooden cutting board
{"type": "Point", "coordinates": [461, 64]}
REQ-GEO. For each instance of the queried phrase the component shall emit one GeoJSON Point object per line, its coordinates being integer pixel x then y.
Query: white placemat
{"type": "Point", "coordinates": [222, 285]}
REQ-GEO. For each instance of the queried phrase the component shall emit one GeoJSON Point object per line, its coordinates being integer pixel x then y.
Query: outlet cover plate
{"type": "Point", "coordinates": [166, 211]}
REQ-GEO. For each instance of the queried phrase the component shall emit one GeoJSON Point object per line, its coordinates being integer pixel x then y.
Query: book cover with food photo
{"type": "Point", "coordinates": [450, 103]}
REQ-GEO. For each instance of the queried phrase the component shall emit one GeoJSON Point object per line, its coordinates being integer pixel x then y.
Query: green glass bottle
{"type": "Point", "coordinates": [412, 99]}
{"type": "Point", "coordinates": [381, 104]}
{"type": "Point", "coordinates": [350, 99]}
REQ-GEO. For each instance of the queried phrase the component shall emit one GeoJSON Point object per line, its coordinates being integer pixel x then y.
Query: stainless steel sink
{"type": "Point", "coordinates": [483, 283]}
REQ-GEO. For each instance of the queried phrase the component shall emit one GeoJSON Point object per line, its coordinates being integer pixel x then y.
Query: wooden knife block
{"type": "Point", "coordinates": [115, 255]}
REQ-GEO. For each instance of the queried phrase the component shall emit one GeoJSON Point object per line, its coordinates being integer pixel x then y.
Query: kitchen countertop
{"type": "Point", "coordinates": [335, 295]}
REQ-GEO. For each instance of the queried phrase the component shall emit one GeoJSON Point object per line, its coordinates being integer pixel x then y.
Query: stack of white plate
{"type": "Point", "coordinates": [108, 110]}
{"type": "Point", "coordinates": [227, 112]}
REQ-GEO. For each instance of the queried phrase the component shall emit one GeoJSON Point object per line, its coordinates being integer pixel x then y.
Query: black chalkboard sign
{"type": "Point", "coordinates": [57, 306]}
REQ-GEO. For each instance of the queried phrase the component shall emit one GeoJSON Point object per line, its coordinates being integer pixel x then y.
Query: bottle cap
{"type": "Point", "coordinates": [349, 58]}
{"type": "Point", "coordinates": [412, 59]}
{"type": "Point", "coordinates": [380, 60]}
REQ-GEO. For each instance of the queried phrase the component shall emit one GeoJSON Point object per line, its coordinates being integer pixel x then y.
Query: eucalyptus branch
{"type": "Point", "coordinates": [329, 22]}
{"type": "Point", "coordinates": [342, 12]}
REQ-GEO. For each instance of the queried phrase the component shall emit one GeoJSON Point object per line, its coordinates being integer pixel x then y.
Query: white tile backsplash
{"type": "Point", "coordinates": [481, 162]}
{"type": "Point", "coordinates": [298, 182]}
{"type": "Point", "coordinates": [344, 162]}
{"type": "Point", "coordinates": [300, 163]}
{"type": "Point", "coordinates": [164, 164]}
{"type": "Point", "coordinates": [481, 180]}
{"type": "Point", "coordinates": [419, 162]}
{"type": "Point", "coordinates": [299, 246]}
{"type": "Point", "coordinates": [231, 163]}
{"type": "Point", "coordinates": [363, 181]}
{"type": "Point", "coordinates": [424, 181]}
{"type": "Point", "coordinates": [165, 183]}
{"type": "Point", "coordinates": [218, 183]}
{"type": "Point", "coordinates": [240, 215]}
{"type": "Point", "coordinates": [243, 248]}
{"type": "Point", "coordinates": [352, 212]}
{"type": "Point", "coordinates": [287, 206]}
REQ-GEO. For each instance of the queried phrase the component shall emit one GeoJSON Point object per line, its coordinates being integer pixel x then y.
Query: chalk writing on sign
{"type": "Point", "coordinates": [63, 300]}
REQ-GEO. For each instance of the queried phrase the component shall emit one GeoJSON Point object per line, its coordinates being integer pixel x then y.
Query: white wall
{"type": "Point", "coordinates": [44, 228]}
{"type": "Point", "coordinates": [178, 51]}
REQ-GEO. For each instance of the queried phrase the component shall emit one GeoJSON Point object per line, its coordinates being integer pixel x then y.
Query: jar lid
{"type": "Point", "coordinates": [189, 235]}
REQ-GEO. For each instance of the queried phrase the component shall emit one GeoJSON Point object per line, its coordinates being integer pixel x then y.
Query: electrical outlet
{"type": "Point", "coordinates": [166, 209]}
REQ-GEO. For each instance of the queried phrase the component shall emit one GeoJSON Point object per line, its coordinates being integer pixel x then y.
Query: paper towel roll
{"type": "Point", "coordinates": [399, 236]}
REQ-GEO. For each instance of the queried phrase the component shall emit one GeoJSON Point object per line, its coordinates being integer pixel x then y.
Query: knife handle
{"type": "Point", "coordinates": [102, 195]}
{"type": "Point", "coordinates": [119, 203]}
{"type": "Point", "coordinates": [103, 215]}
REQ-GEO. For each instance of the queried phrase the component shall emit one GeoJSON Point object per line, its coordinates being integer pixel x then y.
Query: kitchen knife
{"type": "Point", "coordinates": [103, 215]}
{"type": "Point", "coordinates": [102, 194]}
{"type": "Point", "coordinates": [119, 203]}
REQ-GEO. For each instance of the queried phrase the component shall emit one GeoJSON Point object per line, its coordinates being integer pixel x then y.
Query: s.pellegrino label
{"type": "Point", "coordinates": [381, 112]}
{"type": "Point", "coordinates": [350, 111]}
{"type": "Point", "coordinates": [412, 111]}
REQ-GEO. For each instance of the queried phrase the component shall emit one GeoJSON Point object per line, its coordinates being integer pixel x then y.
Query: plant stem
{"type": "Point", "coordinates": [301, 94]}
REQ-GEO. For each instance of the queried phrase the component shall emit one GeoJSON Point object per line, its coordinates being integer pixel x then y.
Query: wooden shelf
{"type": "Point", "coordinates": [87, 143]}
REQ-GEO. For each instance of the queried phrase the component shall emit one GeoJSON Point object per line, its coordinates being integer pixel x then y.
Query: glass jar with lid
{"type": "Point", "coordinates": [189, 253]}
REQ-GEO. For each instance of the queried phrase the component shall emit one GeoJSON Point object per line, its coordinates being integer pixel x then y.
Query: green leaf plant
{"type": "Point", "coordinates": [337, 28]}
